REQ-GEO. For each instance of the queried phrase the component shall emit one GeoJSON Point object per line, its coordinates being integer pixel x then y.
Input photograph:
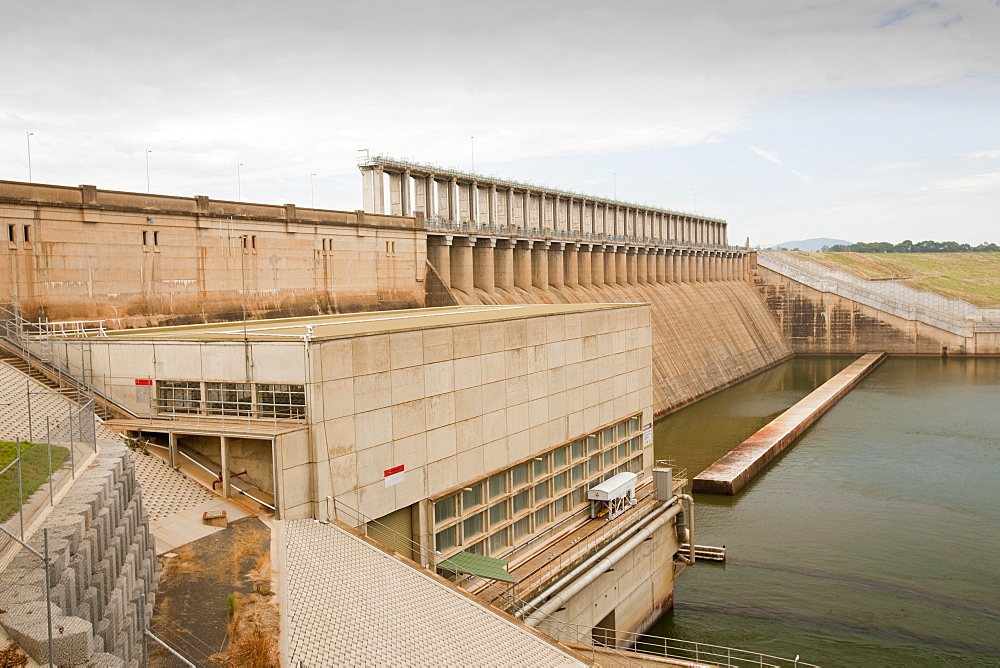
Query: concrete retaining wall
{"type": "Point", "coordinates": [102, 558]}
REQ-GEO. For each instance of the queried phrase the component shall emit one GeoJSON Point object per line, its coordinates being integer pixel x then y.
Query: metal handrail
{"type": "Point", "coordinates": [14, 329]}
{"type": "Point", "coordinates": [719, 655]}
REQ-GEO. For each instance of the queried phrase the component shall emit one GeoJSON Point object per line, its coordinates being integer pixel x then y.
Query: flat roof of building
{"type": "Point", "coordinates": [342, 325]}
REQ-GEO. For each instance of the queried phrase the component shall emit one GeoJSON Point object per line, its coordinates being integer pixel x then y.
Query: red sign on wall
{"type": "Point", "coordinates": [393, 476]}
{"type": "Point", "coordinates": [143, 381]}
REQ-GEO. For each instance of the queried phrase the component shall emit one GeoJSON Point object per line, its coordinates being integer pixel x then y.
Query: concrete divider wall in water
{"type": "Point", "coordinates": [706, 335]}
{"type": "Point", "coordinates": [731, 472]}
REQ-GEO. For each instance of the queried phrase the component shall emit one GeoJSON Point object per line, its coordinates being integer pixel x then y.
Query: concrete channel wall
{"type": "Point", "coordinates": [102, 559]}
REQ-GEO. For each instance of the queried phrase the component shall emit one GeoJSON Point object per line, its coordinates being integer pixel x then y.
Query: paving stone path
{"type": "Point", "coordinates": [352, 604]}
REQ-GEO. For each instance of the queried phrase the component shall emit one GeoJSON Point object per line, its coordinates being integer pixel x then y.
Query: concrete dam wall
{"type": "Point", "coordinates": [136, 260]}
{"type": "Point", "coordinates": [823, 311]}
{"type": "Point", "coordinates": [706, 336]}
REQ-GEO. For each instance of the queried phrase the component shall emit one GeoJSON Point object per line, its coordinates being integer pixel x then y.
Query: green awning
{"type": "Point", "coordinates": [477, 564]}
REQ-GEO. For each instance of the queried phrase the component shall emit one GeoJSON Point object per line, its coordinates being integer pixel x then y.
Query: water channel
{"type": "Point", "coordinates": [874, 541]}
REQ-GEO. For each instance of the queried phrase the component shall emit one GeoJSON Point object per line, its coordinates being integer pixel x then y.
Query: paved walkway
{"type": "Point", "coordinates": [351, 604]}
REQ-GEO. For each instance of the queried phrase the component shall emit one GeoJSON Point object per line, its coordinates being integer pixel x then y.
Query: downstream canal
{"type": "Point", "coordinates": [874, 541]}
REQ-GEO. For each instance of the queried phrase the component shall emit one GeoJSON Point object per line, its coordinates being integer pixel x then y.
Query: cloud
{"type": "Point", "coordinates": [974, 183]}
{"type": "Point", "coordinates": [895, 166]}
{"type": "Point", "coordinates": [982, 155]}
{"type": "Point", "coordinates": [770, 156]}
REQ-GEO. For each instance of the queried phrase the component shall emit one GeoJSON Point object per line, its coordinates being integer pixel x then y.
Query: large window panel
{"type": "Point", "coordinates": [178, 396]}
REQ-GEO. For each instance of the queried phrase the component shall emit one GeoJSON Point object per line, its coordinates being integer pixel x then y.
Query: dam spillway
{"type": "Point", "coordinates": [731, 472]}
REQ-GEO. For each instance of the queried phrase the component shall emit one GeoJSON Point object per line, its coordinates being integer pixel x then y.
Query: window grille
{"type": "Point", "coordinates": [281, 401]}
{"type": "Point", "coordinates": [236, 399]}
{"type": "Point", "coordinates": [178, 396]}
{"type": "Point", "coordinates": [228, 399]}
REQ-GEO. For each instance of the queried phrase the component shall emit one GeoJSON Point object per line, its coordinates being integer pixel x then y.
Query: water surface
{"type": "Point", "coordinates": [874, 541]}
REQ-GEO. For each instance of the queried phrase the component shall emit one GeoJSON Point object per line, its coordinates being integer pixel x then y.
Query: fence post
{"type": "Point", "coordinates": [48, 448]}
{"type": "Point", "coordinates": [142, 630]}
{"type": "Point", "coordinates": [27, 389]}
{"type": "Point", "coordinates": [48, 590]}
{"type": "Point", "coordinates": [20, 487]}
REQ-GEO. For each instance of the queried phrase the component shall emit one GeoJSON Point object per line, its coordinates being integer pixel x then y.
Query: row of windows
{"type": "Point", "coordinates": [497, 512]}
{"type": "Point", "coordinates": [262, 400]}
{"type": "Point", "coordinates": [489, 532]}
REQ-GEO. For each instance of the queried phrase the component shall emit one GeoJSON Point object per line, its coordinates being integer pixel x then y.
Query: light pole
{"type": "Point", "coordinates": [473, 140]}
{"type": "Point", "coordinates": [695, 195]}
{"type": "Point", "coordinates": [239, 183]}
{"type": "Point", "coordinates": [148, 151]}
{"type": "Point", "coordinates": [27, 136]}
{"type": "Point", "coordinates": [312, 192]}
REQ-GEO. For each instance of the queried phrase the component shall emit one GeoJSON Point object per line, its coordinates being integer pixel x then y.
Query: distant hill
{"type": "Point", "coordinates": [809, 244]}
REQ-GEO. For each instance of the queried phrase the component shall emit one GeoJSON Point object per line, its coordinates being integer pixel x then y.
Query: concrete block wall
{"type": "Point", "coordinates": [102, 559]}
{"type": "Point", "coordinates": [453, 403]}
{"type": "Point", "coordinates": [705, 335]}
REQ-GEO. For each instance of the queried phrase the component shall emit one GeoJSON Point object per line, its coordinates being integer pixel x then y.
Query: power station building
{"type": "Point", "coordinates": [445, 433]}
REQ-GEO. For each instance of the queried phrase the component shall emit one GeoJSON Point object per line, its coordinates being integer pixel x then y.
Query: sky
{"type": "Point", "coordinates": [863, 120]}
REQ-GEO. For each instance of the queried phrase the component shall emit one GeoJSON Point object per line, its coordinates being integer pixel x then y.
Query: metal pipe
{"type": "Point", "coordinates": [563, 581]}
{"type": "Point", "coordinates": [169, 649]}
{"type": "Point", "coordinates": [688, 500]}
{"type": "Point", "coordinates": [557, 600]}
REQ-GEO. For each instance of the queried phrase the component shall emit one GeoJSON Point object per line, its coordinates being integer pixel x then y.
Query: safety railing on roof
{"type": "Point", "coordinates": [31, 343]}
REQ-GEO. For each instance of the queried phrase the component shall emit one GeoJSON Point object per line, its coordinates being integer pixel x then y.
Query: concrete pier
{"type": "Point", "coordinates": [731, 472]}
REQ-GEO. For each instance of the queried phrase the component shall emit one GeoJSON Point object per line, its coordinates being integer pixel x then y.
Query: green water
{"type": "Point", "coordinates": [874, 541]}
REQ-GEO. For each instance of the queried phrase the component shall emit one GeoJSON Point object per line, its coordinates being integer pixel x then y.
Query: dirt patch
{"type": "Point", "coordinates": [215, 598]}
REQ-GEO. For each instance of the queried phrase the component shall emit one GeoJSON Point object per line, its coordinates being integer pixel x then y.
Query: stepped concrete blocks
{"type": "Point", "coordinates": [72, 642]}
{"type": "Point", "coordinates": [106, 500]}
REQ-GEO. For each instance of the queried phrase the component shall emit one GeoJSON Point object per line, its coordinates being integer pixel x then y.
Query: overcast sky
{"type": "Point", "coordinates": [853, 119]}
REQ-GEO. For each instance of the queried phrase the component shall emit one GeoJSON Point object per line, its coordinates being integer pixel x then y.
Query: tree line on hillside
{"type": "Point", "coordinates": [910, 247]}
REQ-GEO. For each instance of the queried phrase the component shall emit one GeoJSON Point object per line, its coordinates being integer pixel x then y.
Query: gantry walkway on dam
{"type": "Point", "coordinates": [489, 234]}
{"type": "Point", "coordinates": [463, 202]}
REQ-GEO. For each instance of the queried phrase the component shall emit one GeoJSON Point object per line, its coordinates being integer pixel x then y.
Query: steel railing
{"type": "Point", "coordinates": [688, 650]}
